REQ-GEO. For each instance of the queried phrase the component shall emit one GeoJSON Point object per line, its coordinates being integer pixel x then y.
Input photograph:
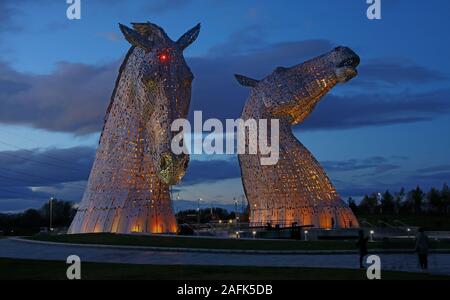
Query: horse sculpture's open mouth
{"type": "Point", "coordinates": [346, 69]}
{"type": "Point", "coordinates": [352, 61]}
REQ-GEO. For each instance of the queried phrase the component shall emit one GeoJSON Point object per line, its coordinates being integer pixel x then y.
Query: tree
{"type": "Point", "coordinates": [352, 205]}
{"type": "Point", "coordinates": [368, 204]}
{"type": "Point", "coordinates": [30, 219]}
{"type": "Point", "coordinates": [445, 195]}
{"type": "Point", "coordinates": [416, 198]}
{"type": "Point", "coordinates": [62, 212]}
{"type": "Point", "coordinates": [387, 203]}
{"type": "Point", "coordinates": [399, 197]}
{"type": "Point", "coordinates": [435, 201]}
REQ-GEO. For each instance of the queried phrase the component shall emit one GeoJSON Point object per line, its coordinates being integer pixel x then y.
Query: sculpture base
{"type": "Point", "coordinates": [325, 217]}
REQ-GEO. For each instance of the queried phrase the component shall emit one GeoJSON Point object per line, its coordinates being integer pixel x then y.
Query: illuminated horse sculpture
{"type": "Point", "coordinates": [128, 188]}
{"type": "Point", "coordinates": [296, 189]}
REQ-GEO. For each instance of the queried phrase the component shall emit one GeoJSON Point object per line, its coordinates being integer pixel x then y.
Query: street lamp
{"type": "Point", "coordinates": [51, 213]}
{"type": "Point", "coordinates": [306, 235]}
{"type": "Point", "coordinates": [198, 211]}
{"type": "Point", "coordinates": [236, 209]}
{"type": "Point", "coordinates": [371, 235]}
{"type": "Point", "coordinates": [254, 234]}
{"type": "Point", "coordinates": [409, 231]}
{"type": "Point", "coordinates": [379, 200]}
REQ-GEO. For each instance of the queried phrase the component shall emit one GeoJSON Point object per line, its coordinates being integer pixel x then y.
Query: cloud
{"type": "Point", "coordinates": [378, 164]}
{"type": "Point", "coordinates": [30, 177]}
{"type": "Point", "coordinates": [7, 13]}
{"type": "Point", "coordinates": [74, 97]}
{"type": "Point", "coordinates": [203, 171]}
{"type": "Point", "coordinates": [395, 71]}
{"type": "Point", "coordinates": [341, 112]}
{"type": "Point", "coordinates": [71, 99]}
{"type": "Point", "coordinates": [215, 89]}
{"type": "Point", "coordinates": [434, 169]}
{"type": "Point", "coordinates": [164, 6]}
{"type": "Point", "coordinates": [111, 36]}
{"type": "Point", "coordinates": [432, 175]}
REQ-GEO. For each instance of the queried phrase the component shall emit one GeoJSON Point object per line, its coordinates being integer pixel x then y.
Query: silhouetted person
{"type": "Point", "coordinates": [362, 247]}
{"type": "Point", "coordinates": [422, 246]}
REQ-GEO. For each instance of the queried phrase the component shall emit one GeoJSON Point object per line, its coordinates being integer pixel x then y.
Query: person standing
{"type": "Point", "coordinates": [422, 247]}
{"type": "Point", "coordinates": [362, 247]}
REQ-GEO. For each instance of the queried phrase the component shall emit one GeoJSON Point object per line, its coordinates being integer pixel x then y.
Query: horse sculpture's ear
{"type": "Point", "coordinates": [135, 38]}
{"type": "Point", "coordinates": [189, 37]}
{"type": "Point", "coordinates": [246, 81]}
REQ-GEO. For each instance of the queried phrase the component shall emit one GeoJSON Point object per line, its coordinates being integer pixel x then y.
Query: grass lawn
{"type": "Point", "coordinates": [441, 222]}
{"type": "Point", "coordinates": [190, 242]}
{"type": "Point", "coordinates": [208, 243]}
{"type": "Point", "coordinates": [33, 269]}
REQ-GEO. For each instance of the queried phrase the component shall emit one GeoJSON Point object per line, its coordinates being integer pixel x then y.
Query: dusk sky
{"type": "Point", "coordinates": [386, 129]}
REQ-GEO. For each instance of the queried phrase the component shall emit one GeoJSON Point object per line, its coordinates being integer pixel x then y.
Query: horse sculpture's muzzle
{"type": "Point", "coordinates": [171, 168]}
{"type": "Point", "coordinates": [347, 63]}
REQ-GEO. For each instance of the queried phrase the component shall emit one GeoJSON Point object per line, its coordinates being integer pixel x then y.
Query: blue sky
{"type": "Point", "coordinates": [386, 129]}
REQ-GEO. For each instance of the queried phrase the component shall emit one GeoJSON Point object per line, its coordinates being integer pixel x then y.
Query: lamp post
{"type": "Point", "coordinates": [51, 213]}
{"type": "Point", "coordinates": [379, 199]}
{"type": "Point", "coordinates": [198, 211]}
{"type": "Point", "coordinates": [178, 199]}
{"type": "Point", "coordinates": [371, 235]}
{"type": "Point", "coordinates": [409, 231]}
{"type": "Point", "coordinates": [236, 210]}
{"type": "Point", "coordinates": [306, 235]}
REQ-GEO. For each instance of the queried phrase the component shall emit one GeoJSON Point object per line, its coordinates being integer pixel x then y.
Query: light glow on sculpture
{"type": "Point", "coordinates": [296, 189]}
{"type": "Point", "coordinates": [128, 188]}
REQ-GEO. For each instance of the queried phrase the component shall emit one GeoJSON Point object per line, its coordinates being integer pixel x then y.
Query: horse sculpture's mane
{"type": "Point", "coordinates": [111, 101]}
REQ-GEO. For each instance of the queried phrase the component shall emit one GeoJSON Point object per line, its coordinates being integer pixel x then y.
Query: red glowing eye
{"type": "Point", "coordinates": [163, 57]}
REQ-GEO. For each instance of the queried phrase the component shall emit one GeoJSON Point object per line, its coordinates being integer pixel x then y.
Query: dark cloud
{"type": "Point", "coordinates": [30, 177]}
{"type": "Point", "coordinates": [432, 177]}
{"type": "Point", "coordinates": [75, 96]}
{"type": "Point", "coordinates": [433, 169]}
{"type": "Point", "coordinates": [7, 13]}
{"type": "Point", "coordinates": [216, 91]}
{"type": "Point", "coordinates": [201, 171]}
{"type": "Point", "coordinates": [377, 163]}
{"type": "Point", "coordinates": [72, 99]}
{"type": "Point", "coordinates": [395, 71]}
{"type": "Point", "coordinates": [339, 112]}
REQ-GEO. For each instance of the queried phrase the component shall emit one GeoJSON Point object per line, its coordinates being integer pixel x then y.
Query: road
{"type": "Point", "coordinates": [439, 263]}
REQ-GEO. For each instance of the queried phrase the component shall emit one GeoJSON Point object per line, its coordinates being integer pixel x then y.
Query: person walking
{"type": "Point", "coordinates": [362, 247]}
{"type": "Point", "coordinates": [422, 247]}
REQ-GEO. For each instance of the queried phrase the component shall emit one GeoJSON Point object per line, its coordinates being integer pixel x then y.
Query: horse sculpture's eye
{"type": "Point", "coordinates": [164, 56]}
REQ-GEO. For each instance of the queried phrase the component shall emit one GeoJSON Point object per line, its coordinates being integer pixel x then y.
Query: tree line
{"type": "Point", "coordinates": [32, 220]}
{"type": "Point", "coordinates": [414, 202]}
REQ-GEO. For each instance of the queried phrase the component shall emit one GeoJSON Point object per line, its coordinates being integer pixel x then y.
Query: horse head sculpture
{"type": "Point", "coordinates": [296, 189]}
{"type": "Point", "coordinates": [128, 188]}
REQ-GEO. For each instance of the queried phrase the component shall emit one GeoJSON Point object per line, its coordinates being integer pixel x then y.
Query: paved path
{"type": "Point", "coordinates": [439, 263]}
